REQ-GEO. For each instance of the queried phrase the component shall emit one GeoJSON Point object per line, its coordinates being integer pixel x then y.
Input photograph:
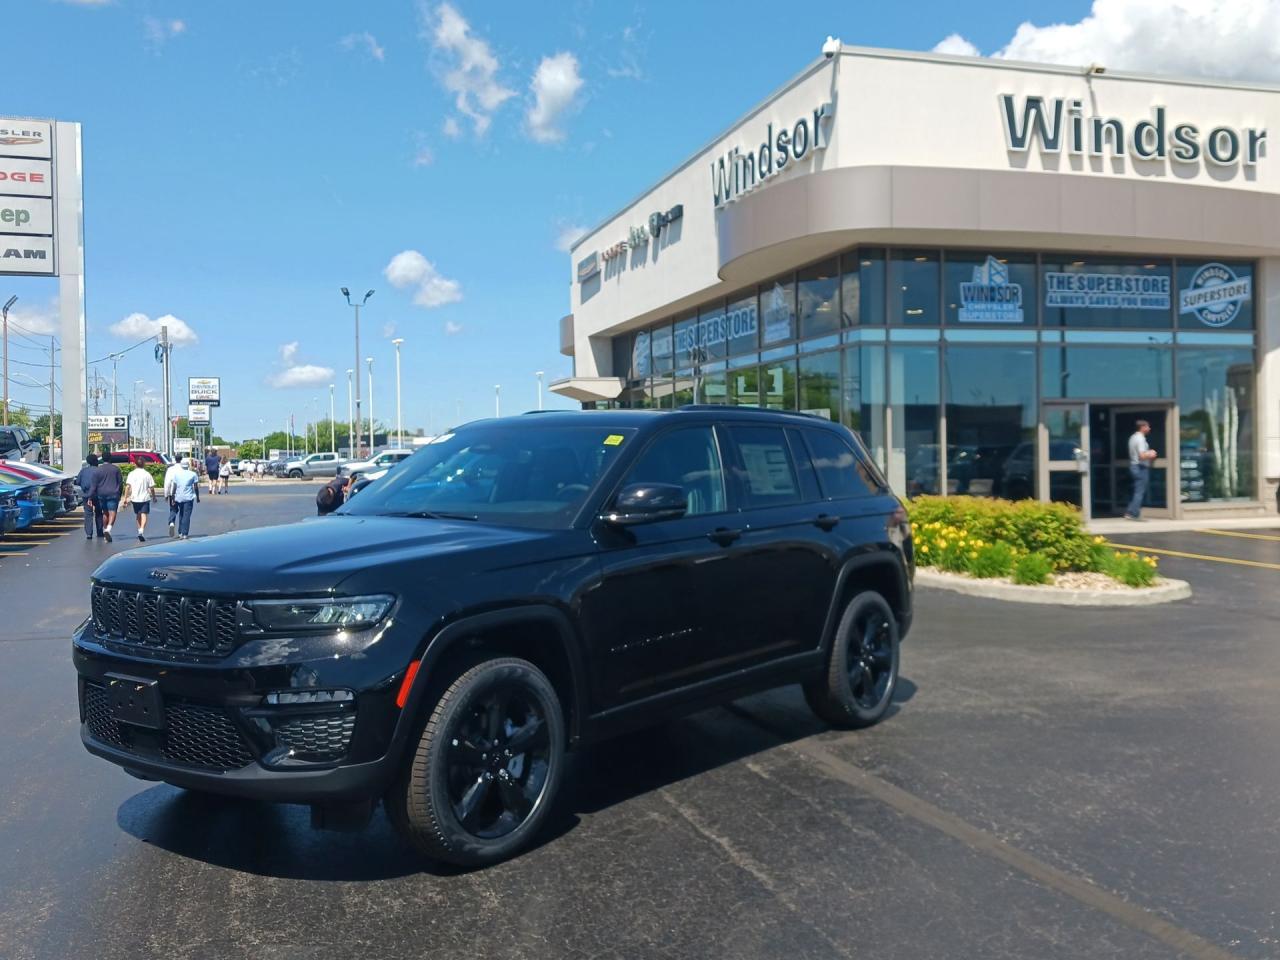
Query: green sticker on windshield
{"type": "Point", "coordinates": [613, 439]}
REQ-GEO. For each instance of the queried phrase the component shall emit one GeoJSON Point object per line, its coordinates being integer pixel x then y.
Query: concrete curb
{"type": "Point", "coordinates": [1165, 591]}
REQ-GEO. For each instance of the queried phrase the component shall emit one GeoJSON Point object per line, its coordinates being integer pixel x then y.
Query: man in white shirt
{"type": "Point", "coordinates": [168, 494]}
{"type": "Point", "coordinates": [1140, 457]}
{"type": "Point", "coordinates": [140, 488]}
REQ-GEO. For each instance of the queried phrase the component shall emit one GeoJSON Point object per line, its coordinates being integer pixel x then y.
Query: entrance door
{"type": "Point", "coordinates": [1064, 455]}
{"type": "Point", "coordinates": [1123, 423]}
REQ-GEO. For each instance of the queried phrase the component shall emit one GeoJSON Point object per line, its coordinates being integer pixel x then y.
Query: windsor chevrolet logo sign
{"type": "Point", "coordinates": [1057, 125]}
{"type": "Point", "coordinates": [742, 170]}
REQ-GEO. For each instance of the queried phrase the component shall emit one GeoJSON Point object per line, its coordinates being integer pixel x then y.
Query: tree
{"type": "Point", "coordinates": [19, 416]}
{"type": "Point", "coordinates": [40, 426]}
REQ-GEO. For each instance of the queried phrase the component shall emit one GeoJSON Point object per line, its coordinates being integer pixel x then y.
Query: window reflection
{"type": "Point", "coordinates": [818, 288]}
{"type": "Point", "coordinates": [1216, 428]}
{"type": "Point", "coordinates": [913, 287]}
{"type": "Point", "coordinates": [914, 465]}
{"type": "Point", "coordinates": [991, 421]}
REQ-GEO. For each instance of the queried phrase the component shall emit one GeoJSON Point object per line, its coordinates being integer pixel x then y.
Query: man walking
{"type": "Point", "coordinates": [104, 491]}
{"type": "Point", "coordinates": [168, 495]}
{"type": "Point", "coordinates": [141, 487]}
{"type": "Point", "coordinates": [1140, 457]}
{"type": "Point", "coordinates": [92, 515]}
{"type": "Point", "coordinates": [211, 464]}
{"type": "Point", "coordinates": [185, 483]}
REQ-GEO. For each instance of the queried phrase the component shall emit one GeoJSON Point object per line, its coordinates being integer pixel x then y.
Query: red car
{"type": "Point", "coordinates": [134, 456]}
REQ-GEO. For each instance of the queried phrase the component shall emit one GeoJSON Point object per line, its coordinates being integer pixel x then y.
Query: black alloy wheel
{"type": "Point", "coordinates": [484, 773]}
{"type": "Point", "coordinates": [498, 756]}
{"type": "Point", "coordinates": [856, 687]}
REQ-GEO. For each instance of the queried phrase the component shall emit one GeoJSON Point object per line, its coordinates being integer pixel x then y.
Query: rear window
{"type": "Point", "coordinates": [840, 470]}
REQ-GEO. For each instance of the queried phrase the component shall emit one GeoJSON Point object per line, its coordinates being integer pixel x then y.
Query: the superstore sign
{"type": "Point", "coordinates": [1107, 291]}
{"type": "Point", "coordinates": [27, 243]}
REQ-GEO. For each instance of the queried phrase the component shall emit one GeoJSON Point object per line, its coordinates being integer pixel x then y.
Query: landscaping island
{"type": "Point", "coordinates": [1029, 552]}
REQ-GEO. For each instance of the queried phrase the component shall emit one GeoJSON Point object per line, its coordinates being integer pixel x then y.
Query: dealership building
{"type": "Point", "coordinates": [990, 270]}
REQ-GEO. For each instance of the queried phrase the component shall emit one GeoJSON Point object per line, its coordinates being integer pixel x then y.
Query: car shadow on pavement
{"type": "Point", "coordinates": [277, 840]}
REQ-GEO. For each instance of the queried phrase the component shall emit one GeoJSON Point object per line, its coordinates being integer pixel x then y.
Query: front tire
{"type": "Point", "coordinates": [857, 686]}
{"type": "Point", "coordinates": [295, 474]}
{"type": "Point", "coordinates": [487, 766]}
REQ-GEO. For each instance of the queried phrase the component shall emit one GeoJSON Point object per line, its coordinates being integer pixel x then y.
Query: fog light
{"type": "Point", "coordinates": [282, 697]}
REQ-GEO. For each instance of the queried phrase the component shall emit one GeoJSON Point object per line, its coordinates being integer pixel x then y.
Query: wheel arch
{"type": "Point", "coordinates": [882, 571]}
{"type": "Point", "coordinates": [541, 634]}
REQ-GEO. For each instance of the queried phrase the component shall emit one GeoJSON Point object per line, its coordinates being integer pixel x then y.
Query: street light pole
{"type": "Point", "coordinates": [115, 365]}
{"type": "Point", "coordinates": [369, 361]}
{"type": "Point", "coordinates": [351, 428]}
{"type": "Point", "coordinates": [5, 310]}
{"type": "Point", "coordinates": [497, 400]}
{"type": "Point", "coordinates": [399, 423]}
{"type": "Point", "coordinates": [333, 435]}
{"type": "Point", "coordinates": [539, 376]}
{"type": "Point", "coordinates": [346, 293]}
{"type": "Point", "coordinates": [133, 404]}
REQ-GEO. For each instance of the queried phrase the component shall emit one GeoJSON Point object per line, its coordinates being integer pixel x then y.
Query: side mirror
{"type": "Point", "coordinates": [647, 503]}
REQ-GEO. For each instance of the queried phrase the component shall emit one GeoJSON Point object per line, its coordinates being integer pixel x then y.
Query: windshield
{"type": "Point", "coordinates": [520, 475]}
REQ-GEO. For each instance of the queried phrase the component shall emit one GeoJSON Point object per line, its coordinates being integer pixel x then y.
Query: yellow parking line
{"type": "Point", "coordinates": [26, 543]}
{"type": "Point", "coordinates": [1196, 556]}
{"type": "Point", "coordinates": [2, 554]}
{"type": "Point", "coordinates": [1239, 533]}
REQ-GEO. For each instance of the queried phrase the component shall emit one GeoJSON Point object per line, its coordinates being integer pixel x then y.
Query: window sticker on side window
{"type": "Point", "coordinates": [768, 472]}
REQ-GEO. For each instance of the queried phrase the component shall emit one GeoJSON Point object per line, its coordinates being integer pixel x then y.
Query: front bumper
{"type": "Point", "coordinates": [219, 734]}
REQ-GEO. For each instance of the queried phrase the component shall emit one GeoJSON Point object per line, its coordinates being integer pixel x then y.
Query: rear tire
{"type": "Point", "coordinates": [857, 686]}
{"type": "Point", "coordinates": [486, 768]}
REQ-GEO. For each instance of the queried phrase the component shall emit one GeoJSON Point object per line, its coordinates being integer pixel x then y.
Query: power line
{"type": "Point", "coordinates": [121, 353]}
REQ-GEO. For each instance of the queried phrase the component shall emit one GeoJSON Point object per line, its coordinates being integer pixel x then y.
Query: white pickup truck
{"type": "Point", "coordinates": [381, 461]}
{"type": "Point", "coordinates": [315, 465]}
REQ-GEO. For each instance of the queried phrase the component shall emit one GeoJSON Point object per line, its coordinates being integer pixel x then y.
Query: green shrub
{"type": "Point", "coordinates": [993, 560]}
{"type": "Point", "coordinates": [1032, 569]}
{"type": "Point", "coordinates": [1132, 569]}
{"type": "Point", "coordinates": [1029, 526]}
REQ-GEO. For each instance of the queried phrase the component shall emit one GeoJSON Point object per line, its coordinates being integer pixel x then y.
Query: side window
{"type": "Point", "coordinates": [687, 458]}
{"type": "Point", "coordinates": [768, 473]}
{"type": "Point", "coordinates": [804, 466]}
{"type": "Point", "coordinates": [840, 472]}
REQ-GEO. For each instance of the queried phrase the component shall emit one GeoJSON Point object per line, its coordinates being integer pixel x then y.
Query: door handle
{"type": "Point", "coordinates": [724, 536]}
{"type": "Point", "coordinates": [825, 521]}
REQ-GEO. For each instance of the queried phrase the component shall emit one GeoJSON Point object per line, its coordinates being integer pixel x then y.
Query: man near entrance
{"type": "Point", "coordinates": [1140, 457]}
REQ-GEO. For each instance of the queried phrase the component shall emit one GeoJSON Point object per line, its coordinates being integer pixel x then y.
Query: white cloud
{"type": "Point", "coordinates": [411, 269]}
{"type": "Point", "coordinates": [40, 320]}
{"type": "Point", "coordinates": [472, 72]}
{"type": "Point", "coordinates": [294, 374]}
{"type": "Point", "coordinates": [1228, 39]}
{"type": "Point", "coordinates": [158, 32]}
{"type": "Point", "coordinates": [958, 45]}
{"type": "Point", "coordinates": [424, 156]}
{"type": "Point", "coordinates": [568, 235]}
{"type": "Point", "coordinates": [451, 328]}
{"type": "Point", "coordinates": [389, 329]}
{"type": "Point", "coordinates": [555, 87]}
{"type": "Point", "coordinates": [630, 51]}
{"type": "Point", "coordinates": [365, 40]}
{"type": "Point", "coordinates": [136, 326]}
{"type": "Point", "coordinates": [450, 128]}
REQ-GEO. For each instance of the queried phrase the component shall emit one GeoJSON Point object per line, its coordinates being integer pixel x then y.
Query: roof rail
{"type": "Point", "coordinates": [722, 407]}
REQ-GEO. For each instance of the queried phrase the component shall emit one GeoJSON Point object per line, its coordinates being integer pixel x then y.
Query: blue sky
{"type": "Point", "coordinates": [244, 160]}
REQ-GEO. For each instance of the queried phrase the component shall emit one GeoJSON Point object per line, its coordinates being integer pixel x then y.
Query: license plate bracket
{"type": "Point", "coordinates": [135, 700]}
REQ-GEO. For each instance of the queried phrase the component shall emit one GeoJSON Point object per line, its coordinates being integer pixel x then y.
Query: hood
{"type": "Point", "coordinates": [314, 556]}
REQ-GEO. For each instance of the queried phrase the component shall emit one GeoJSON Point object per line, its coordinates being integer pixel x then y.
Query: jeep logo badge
{"type": "Point", "coordinates": [157, 575]}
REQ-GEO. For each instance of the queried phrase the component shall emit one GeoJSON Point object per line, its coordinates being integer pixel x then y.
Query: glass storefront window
{"type": "Point", "coordinates": [1106, 372]}
{"type": "Point", "coordinates": [1215, 295]}
{"type": "Point", "coordinates": [713, 386]}
{"type": "Point", "coordinates": [641, 365]}
{"type": "Point", "coordinates": [744, 387]}
{"type": "Point", "coordinates": [1216, 429]}
{"type": "Point", "coordinates": [662, 393]}
{"type": "Point", "coordinates": [864, 398]}
{"type": "Point", "coordinates": [742, 325]}
{"type": "Point", "coordinates": [663, 350]}
{"type": "Point", "coordinates": [818, 289]}
{"type": "Point", "coordinates": [914, 467]}
{"type": "Point", "coordinates": [862, 288]}
{"type": "Point", "coordinates": [622, 356]}
{"type": "Point", "coordinates": [711, 333]}
{"type": "Point", "coordinates": [1107, 292]}
{"type": "Point", "coordinates": [990, 289]}
{"type": "Point", "coordinates": [778, 384]}
{"type": "Point", "coordinates": [686, 353]}
{"type": "Point", "coordinates": [820, 385]}
{"type": "Point", "coordinates": [991, 421]}
{"type": "Point", "coordinates": [913, 287]}
{"type": "Point", "coordinates": [778, 307]}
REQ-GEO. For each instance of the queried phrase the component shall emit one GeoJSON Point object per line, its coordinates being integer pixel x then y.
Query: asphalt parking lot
{"type": "Point", "coordinates": [1051, 783]}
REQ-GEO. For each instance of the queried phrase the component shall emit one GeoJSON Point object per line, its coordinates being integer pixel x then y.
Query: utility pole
{"type": "Point", "coordinates": [165, 348]}
{"type": "Point", "coordinates": [497, 400]}
{"type": "Point", "coordinates": [351, 422]}
{"type": "Point", "coordinates": [347, 293]}
{"type": "Point", "coordinates": [399, 423]}
{"type": "Point", "coordinates": [5, 310]}
{"type": "Point", "coordinates": [333, 435]}
{"type": "Point", "coordinates": [369, 360]}
{"type": "Point", "coordinates": [115, 394]}
{"type": "Point", "coordinates": [53, 434]}
{"type": "Point", "coordinates": [539, 375]}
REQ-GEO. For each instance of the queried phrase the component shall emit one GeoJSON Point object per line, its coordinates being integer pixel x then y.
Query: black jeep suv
{"type": "Point", "coordinates": [516, 588]}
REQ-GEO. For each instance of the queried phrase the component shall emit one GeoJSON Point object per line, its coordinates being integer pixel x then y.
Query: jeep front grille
{"type": "Point", "coordinates": [166, 621]}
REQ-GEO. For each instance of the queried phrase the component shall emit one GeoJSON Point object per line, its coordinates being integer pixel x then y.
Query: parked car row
{"type": "Point", "coordinates": [31, 492]}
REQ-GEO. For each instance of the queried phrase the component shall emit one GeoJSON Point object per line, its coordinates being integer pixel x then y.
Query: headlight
{"type": "Point", "coordinates": [338, 613]}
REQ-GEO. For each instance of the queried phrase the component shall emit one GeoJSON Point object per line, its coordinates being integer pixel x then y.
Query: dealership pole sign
{"type": "Point", "coordinates": [206, 390]}
{"type": "Point", "coordinates": [27, 236]}
{"type": "Point", "coordinates": [108, 429]}
{"type": "Point", "coordinates": [199, 414]}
